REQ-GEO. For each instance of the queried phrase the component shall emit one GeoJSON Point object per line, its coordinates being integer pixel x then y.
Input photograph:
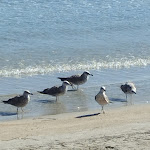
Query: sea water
{"type": "Point", "coordinates": [43, 40]}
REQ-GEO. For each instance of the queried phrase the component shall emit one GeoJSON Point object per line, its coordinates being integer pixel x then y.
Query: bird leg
{"type": "Point", "coordinates": [103, 110]}
{"type": "Point", "coordinates": [22, 109]}
{"type": "Point", "coordinates": [22, 113]}
{"type": "Point", "coordinates": [126, 99]}
{"type": "Point", "coordinates": [56, 98]}
{"type": "Point", "coordinates": [73, 87]}
{"type": "Point", "coordinates": [131, 100]}
{"type": "Point", "coordinates": [17, 114]}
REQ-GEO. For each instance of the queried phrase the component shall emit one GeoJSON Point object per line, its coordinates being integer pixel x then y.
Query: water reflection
{"type": "Point", "coordinates": [7, 113]}
{"type": "Point", "coordinates": [77, 100]}
{"type": "Point", "coordinates": [73, 101]}
{"type": "Point", "coordinates": [49, 107]}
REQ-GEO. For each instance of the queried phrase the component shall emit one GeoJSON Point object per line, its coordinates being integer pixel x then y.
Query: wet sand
{"type": "Point", "coordinates": [122, 128]}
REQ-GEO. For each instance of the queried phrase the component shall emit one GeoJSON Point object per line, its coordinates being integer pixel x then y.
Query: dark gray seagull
{"type": "Point", "coordinates": [19, 101]}
{"type": "Point", "coordinates": [77, 79]}
{"type": "Point", "coordinates": [56, 91]}
{"type": "Point", "coordinates": [102, 98]}
{"type": "Point", "coordinates": [128, 88]}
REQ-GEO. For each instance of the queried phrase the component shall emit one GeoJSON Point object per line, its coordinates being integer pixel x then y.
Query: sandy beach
{"type": "Point", "coordinates": [119, 129]}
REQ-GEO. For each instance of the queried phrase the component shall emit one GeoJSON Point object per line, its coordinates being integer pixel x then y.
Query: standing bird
{"type": "Point", "coordinates": [56, 91]}
{"type": "Point", "coordinates": [128, 88]}
{"type": "Point", "coordinates": [77, 79]}
{"type": "Point", "coordinates": [19, 101]}
{"type": "Point", "coordinates": [102, 98]}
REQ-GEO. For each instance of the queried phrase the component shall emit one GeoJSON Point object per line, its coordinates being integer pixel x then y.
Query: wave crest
{"type": "Point", "coordinates": [91, 65]}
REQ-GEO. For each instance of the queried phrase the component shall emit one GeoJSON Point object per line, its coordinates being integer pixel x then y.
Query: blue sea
{"type": "Point", "coordinates": [42, 40]}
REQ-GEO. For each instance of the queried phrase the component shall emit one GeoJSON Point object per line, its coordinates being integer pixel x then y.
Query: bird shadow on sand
{"type": "Point", "coordinates": [7, 114]}
{"type": "Point", "coordinates": [88, 115]}
{"type": "Point", "coordinates": [118, 100]}
{"type": "Point", "coordinates": [44, 101]}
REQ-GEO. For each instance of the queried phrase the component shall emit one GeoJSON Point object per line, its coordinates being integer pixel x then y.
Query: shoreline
{"type": "Point", "coordinates": [121, 128]}
{"type": "Point", "coordinates": [41, 105]}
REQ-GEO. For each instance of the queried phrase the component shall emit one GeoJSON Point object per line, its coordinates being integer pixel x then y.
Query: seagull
{"type": "Point", "coordinates": [102, 98]}
{"type": "Point", "coordinates": [128, 88]}
{"type": "Point", "coordinates": [77, 79]}
{"type": "Point", "coordinates": [56, 91]}
{"type": "Point", "coordinates": [19, 101]}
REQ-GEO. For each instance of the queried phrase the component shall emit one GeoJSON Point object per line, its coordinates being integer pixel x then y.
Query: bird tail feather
{"type": "Point", "coordinates": [62, 79]}
{"type": "Point", "coordinates": [5, 102]}
{"type": "Point", "coordinates": [40, 92]}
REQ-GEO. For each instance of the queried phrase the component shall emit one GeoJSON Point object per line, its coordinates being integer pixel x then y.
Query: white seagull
{"type": "Point", "coordinates": [102, 98]}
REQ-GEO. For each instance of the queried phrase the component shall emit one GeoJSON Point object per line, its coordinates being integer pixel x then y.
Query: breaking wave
{"type": "Point", "coordinates": [91, 65]}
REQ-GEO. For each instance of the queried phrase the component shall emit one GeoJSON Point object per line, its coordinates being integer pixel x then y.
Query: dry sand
{"type": "Point", "coordinates": [125, 128]}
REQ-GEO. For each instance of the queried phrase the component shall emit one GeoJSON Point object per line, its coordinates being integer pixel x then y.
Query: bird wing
{"type": "Point", "coordinates": [53, 91]}
{"type": "Point", "coordinates": [101, 99]}
{"type": "Point", "coordinates": [15, 100]}
{"type": "Point", "coordinates": [128, 88]}
{"type": "Point", "coordinates": [71, 79]}
{"type": "Point", "coordinates": [125, 88]}
{"type": "Point", "coordinates": [106, 98]}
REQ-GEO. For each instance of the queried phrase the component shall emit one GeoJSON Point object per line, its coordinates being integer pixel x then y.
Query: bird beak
{"type": "Point", "coordinates": [91, 75]}
{"type": "Point", "coordinates": [134, 92]}
{"type": "Point", "coordinates": [31, 94]}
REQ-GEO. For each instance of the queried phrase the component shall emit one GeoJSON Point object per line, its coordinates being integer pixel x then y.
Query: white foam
{"type": "Point", "coordinates": [91, 65]}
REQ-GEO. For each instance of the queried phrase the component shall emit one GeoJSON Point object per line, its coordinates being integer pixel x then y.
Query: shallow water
{"type": "Point", "coordinates": [39, 38]}
{"type": "Point", "coordinates": [43, 40]}
{"type": "Point", "coordinates": [73, 101]}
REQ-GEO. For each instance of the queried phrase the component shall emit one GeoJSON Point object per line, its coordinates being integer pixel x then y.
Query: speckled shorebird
{"type": "Point", "coordinates": [77, 79]}
{"type": "Point", "coordinates": [128, 88]}
{"type": "Point", "coordinates": [19, 101]}
{"type": "Point", "coordinates": [56, 91]}
{"type": "Point", "coordinates": [102, 98]}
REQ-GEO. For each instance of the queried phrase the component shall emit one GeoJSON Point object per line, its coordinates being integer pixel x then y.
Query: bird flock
{"type": "Point", "coordinates": [101, 98]}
